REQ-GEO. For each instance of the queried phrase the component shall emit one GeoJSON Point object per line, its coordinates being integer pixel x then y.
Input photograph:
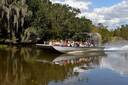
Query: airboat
{"type": "Point", "coordinates": [70, 50]}
{"type": "Point", "coordinates": [76, 49]}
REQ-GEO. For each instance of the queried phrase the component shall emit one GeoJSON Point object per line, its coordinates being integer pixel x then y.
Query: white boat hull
{"type": "Point", "coordinates": [76, 49]}
{"type": "Point", "coordinates": [63, 49]}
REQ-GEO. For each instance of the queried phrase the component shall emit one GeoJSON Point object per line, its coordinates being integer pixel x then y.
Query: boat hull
{"type": "Point", "coordinates": [77, 49]}
{"type": "Point", "coordinates": [63, 49]}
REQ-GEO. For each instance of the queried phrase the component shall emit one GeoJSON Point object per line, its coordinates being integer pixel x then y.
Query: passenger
{"type": "Point", "coordinates": [85, 44]}
{"type": "Point", "coordinates": [57, 43]}
{"type": "Point", "coordinates": [91, 45]}
{"type": "Point", "coordinates": [69, 44]}
{"type": "Point", "coordinates": [65, 43]}
{"type": "Point", "coordinates": [88, 43]}
{"type": "Point", "coordinates": [61, 43]}
{"type": "Point", "coordinates": [72, 43]}
{"type": "Point", "coordinates": [77, 44]}
{"type": "Point", "coordinates": [81, 44]}
{"type": "Point", "coordinates": [50, 43]}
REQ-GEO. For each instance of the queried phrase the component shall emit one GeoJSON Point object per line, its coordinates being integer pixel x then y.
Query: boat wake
{"type": "Point", "coordinates": [120, 48]}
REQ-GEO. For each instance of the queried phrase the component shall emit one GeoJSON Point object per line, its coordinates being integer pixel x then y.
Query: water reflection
{"type": "Point", "coordinates": [116, 61]}
{"type": "Point", "coordinates": [81, 62]}
{"type": "Point", "coordinates": [31, 66]}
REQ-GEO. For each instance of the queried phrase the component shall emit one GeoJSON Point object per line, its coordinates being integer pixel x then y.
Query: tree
{"type": "Point", "coordinates": [12, 18]}
{"type": "Point", "coordinates": [22, 19]}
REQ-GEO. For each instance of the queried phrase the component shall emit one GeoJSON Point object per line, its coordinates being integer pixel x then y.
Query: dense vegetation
{"type": "Point", "coordinates": [32, 20]}
{"type": "Point", "coordinates": [120, 33]}
{"type": "Point", "coordinates": [23, 20]}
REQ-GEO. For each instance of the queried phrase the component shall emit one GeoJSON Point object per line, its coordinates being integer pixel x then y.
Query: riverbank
{"type": "Point", "coordinates": [17, 44]}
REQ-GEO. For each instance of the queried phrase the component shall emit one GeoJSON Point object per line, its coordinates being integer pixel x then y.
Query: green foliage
{"type": "Point", "coordinates": [122, 32]}
{"type": "Point", "coordinates": [45, 20]}
{"type": "Point", "coordinates": [58, 21]}
{"type": "Point", "coordinates": [106, 34]}
{"type": "Point", "coordinates": [113, 35]}
{"type": "Point", "coordinates": [13, 14]}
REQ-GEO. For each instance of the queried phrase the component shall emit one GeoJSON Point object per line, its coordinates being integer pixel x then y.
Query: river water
{"type": "Point", "coordinates": [34, 66]}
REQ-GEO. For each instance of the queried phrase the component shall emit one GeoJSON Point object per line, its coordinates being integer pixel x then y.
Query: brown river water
{"type": "Point", "coordinates": [34, 66]}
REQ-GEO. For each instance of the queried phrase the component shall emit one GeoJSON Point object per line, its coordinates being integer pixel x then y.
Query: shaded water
{"type": "Point", "coordinates": [33, 66]}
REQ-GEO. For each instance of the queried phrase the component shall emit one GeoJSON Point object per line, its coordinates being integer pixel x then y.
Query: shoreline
{"type": "Point", "coordinates": [17, 44]}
